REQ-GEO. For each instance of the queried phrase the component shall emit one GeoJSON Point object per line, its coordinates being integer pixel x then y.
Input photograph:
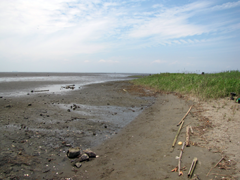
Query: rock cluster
{"type": "Point", "coordinates": [74, 106]}
{"type": "Point", "coordinates": [69, 87]}
{"type": "Point", "coordinates": [81, 156]}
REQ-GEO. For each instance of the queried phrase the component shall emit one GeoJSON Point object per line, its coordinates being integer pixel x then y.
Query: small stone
{"type": "Point", "coordinates": [29, 104]}
{"type": "Point", "coordinates": [78, 164]}
{"type": "Point", "coordinates": [73, 152]}
{"type": "Point", "coordinates": [84, 157]}
{"type": "Point", "coordinates": [69, 110]}
{"type": "Point", "coordinates": [8, 106]}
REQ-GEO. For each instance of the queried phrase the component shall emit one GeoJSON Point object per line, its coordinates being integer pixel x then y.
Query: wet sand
{"type": "Point", "coordinates": [130, 128]}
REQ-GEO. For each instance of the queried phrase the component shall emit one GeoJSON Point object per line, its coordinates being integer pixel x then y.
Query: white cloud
{"type": "Point", "coordinates": [172, 23]}
{"type": "Point", "coordinates": [226, 5]}
{"type": "Point", "coordinates": [61, 28]}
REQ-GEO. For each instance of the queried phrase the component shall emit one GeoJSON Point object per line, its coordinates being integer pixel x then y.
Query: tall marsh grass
{"type": "Point", "coordinates": [205, 86]}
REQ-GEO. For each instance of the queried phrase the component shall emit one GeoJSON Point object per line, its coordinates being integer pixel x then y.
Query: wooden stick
{"type": "Point", "coordinates": [185, 115]}
{"type": "Point", "coordinates": [216, 165]}
{"type": "Point", "coordinates": [193, 165]}
{"type": "Point", "coordinates": [179, 160]}
{"type": "Point", "coordinates": [187, 136]}
{"type": "Point", "coordinates": [191, 129]}
{"type": "Point", "coordinates": [175, 139]}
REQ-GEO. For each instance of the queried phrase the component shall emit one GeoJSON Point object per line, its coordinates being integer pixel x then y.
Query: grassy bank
{"type": "Point", "coordinates": [205, 86]}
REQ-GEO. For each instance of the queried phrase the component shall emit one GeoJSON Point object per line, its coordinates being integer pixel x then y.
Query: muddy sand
{"type": "Point", "coordinates": [130, 128]}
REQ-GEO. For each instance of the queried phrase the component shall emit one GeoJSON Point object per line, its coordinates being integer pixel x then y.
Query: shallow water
{"type": "Point", "coordinates": [18, 84]}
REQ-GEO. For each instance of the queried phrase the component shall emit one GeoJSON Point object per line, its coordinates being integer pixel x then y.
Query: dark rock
{"type": "Point", "coordinates": [69, 110]}
{"type": "Point", "coordinates": [46, 170]}
{"type": "Point", "coordinates": [90, 153]}
{"type": "Point", "coordinates": [29, 104]}
{"type": "Point", "coordinates": [73, 152]}
{"type": "Point", "coordinates": [8, 106]}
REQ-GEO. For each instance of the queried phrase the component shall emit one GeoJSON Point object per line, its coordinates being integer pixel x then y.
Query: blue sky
{"type": "Point", "coordinates": [138, 36]}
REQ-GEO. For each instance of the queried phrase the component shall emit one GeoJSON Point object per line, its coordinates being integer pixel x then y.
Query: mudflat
{"type": "Point", "coordinates": [130, 128]}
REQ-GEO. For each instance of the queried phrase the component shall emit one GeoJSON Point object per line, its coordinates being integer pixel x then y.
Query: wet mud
{"type": "Point", "coordinates": [38, 129]}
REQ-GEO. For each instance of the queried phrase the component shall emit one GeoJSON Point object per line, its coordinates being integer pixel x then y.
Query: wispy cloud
{"type": "Point", "coordinates": [59, 29]}
{"type": "Point", "coordinates": [227, 5]}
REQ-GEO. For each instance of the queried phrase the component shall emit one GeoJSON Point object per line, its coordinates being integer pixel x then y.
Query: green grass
{"type": "Point", "coordinates": [205, 86]}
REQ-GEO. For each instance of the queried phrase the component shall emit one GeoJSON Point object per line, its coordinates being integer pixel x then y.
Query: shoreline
{"type": "Point", "coordinates": [140, 150]}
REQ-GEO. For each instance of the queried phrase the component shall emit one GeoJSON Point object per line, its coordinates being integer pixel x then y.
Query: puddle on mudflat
{"type": "Point", "coordinates": [119, 116]}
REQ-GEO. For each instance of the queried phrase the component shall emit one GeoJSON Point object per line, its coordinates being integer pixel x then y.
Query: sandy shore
{"type": "Point", "coordinates": [130, 128]}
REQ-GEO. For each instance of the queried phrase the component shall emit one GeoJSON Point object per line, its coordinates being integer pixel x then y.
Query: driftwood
{"type": "Point", "coordinates": [175, 139]}
{"type": "Point", "coordinates": [215, 165]}
{"type": "Point", "coordinates": [190, 127]}
{"type": "Point", "coordinates": [192, 167]}
{"type": "Point", "coordinates": [39, 91]}
{"type": "Point", "coordinates": [187, 136]}
{"type": "Point", "coordinates": [179, 160]}
{"type": "Point", "coordinates": [185, 115]}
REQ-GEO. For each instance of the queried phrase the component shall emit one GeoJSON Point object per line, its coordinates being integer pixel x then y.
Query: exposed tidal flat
{"type": "Point", "coordinates": [130, 127]}
{"type": "Point", "coordinates": [37, 126]}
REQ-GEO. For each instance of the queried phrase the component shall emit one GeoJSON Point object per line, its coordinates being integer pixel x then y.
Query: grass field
{"type": "Point", "coordinates": [205, 86]}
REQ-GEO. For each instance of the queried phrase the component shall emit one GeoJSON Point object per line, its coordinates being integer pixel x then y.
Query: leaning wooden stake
{"type": "Point", "coordinates": [193, 165]}
{"type": "Point", "coordinates": [175, 139]}
{"type": "Point", "coordinates": [187, 136]}
{"type": "Point", "coordinates": [185, 115]}
{"type": "Point", "coordinates": [215, 165]}
{"type": "Point", "coordinates": [190, 127]}
{"type": "Point", "coordinates": [179, 160]}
